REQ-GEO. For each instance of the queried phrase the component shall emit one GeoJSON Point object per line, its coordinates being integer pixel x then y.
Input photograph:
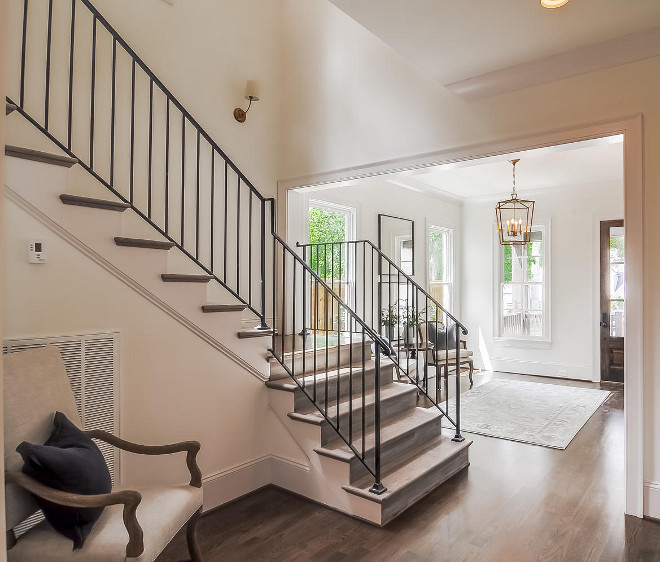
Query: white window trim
{"type": "Point", "coordinates": [430, 227]}
{"type": "Point", "coordinates": [545, 341]}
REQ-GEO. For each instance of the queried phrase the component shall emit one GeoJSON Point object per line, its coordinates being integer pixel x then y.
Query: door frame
{"type": "Point", "coordinates": [631, 128]}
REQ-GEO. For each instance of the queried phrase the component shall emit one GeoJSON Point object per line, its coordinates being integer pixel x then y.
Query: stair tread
{"type": "Point", "coordinates": [143, 243]}
{"type": "Point", "coordinates": [387, 391]}
{"type": "Point", "coordinates": [391, 430]}
{"type": "Point", "coordinates": [39, 156]}
{"type": "Point", "coordinates": [254, 333]}
{"type": "Point", "coordinates": [9, 107]}
{"type": "Point", "coordinates": [223, 307]}
{"type": "Point", "coordinates": [186, 277]}
{"type": "Point", "coordinates": [396, 476]}
{"type": "Point", "coordinates": [308, 351]}
{"type": "Point", "coordinates": [93, 202]}
{"type": "Point", "coordinates": [288, 385]}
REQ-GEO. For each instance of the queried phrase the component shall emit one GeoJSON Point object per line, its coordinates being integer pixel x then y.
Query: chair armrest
{"type": "Point", "coordinates": [464, 344]}
{"type": "Point", "coordinates": [190, 447]}
{"type": "Point", "coordinates": [129, 498]}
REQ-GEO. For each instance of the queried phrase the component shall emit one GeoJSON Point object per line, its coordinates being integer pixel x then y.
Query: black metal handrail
{"type": "Point", "coordinates": [354, 255]}
{"type": "Point", "coordinates": [295, 287]}
{"type": "Point", "coordinates": [152, 198]}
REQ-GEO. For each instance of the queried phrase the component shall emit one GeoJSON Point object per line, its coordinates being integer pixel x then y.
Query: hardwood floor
{"type": "Point", "coordinates": [515, 503]}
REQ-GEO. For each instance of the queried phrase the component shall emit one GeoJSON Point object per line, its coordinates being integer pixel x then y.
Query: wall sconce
{"type": "Point", "coordinates": [252, 94]}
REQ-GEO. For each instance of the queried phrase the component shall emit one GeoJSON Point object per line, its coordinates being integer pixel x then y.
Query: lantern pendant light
{"type": "Point", "coordinates": [514, 217]}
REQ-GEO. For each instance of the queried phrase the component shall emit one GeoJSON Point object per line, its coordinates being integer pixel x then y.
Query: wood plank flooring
{"type": "Point", "coordinates": [515, 503]}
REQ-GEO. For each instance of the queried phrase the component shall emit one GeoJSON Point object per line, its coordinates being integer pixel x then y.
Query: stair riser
{"type": "Point", "coordinates": [343, 359]}
{"type": "Point", "coordinates": [416, 490]}
{"type": "Point", "coordinates": [398, 447]}
{"type": "Point", "coordinates": [302, 402]}
{"type": "Point", "coordinates": [390, 408]}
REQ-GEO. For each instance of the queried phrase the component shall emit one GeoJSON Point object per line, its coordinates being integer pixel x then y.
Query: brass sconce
{"type": "Point", "coordinates": [251, 94]}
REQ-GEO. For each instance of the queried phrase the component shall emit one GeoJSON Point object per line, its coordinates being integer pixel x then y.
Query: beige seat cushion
{"type": "Point", "coordinates": [162, 512]}
{"type": "Point", "coordinates": [451, 354]}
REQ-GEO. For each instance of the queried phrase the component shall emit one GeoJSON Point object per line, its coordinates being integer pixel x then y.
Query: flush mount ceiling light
{"type": "Point", "coordinates": [553, 3]}
{"type": "Point", "coordinates": [514, 217]}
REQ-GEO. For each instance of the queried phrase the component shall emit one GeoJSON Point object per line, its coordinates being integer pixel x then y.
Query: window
{"type": "Point", "coordinates": [522, 288]}
{"type": "Point", "coordinates": [441, 261]}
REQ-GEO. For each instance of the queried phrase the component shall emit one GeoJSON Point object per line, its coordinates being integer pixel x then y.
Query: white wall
{"type": "Point", "coordinates": [173, 385]}
{"type": "Point", "coordinates": [379, 197]}
{"type": "Point", "coordinates": [571, 217]}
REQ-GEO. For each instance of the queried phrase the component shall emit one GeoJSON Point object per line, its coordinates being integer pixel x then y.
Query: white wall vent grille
{"type": "Point", "coordinates": [92, 364]}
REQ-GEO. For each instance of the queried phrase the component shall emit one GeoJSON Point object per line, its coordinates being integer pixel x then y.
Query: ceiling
{"type": "Point", "coordinates": [457, 40]}
{"type": "Point", "coordinates": [591, 163]}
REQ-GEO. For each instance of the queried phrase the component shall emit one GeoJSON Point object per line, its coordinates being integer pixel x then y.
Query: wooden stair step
{"type": "Point", "coordinates": [208, 308]}
{"type": "Point", "coordinates": [143, 243]}
{"type": "Point", "coordinates": [94, 203]}
{"type": "Point", "coordinates": [398, 437]}
{"type": "Point", "coordinates": [185, 278]}
{"type": "Point", "coordinates": [9, 107]}
{"type": "Point", "coordinates": [414, 476]}
{"type": "Point", "coordinates": [254, 333]}
{"type": "Point", "coordinates": [39, 156]}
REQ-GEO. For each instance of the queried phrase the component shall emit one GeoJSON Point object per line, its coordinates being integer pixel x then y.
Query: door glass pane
{"type": "Point", "coordinates": [617, 281]}
{"type": "Point", "coordinates": [617, 320]}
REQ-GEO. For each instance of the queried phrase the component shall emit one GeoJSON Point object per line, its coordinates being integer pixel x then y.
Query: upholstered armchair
{"type": "Point", "coordinates": [439, 348]}
{"type": "Point", "coordinates": [136, 524]}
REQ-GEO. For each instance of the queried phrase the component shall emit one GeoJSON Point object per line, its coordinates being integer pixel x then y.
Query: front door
{"type": "Point", "coordinates": [612, 300]}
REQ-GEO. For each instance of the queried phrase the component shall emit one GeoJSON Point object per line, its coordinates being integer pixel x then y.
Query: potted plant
{"type": "Point", "coordinates": [411, 319]}
{"type": "Point", "coordinates": [389, 318]}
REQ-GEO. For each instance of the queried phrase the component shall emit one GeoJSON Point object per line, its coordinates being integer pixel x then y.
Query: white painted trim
{"type": "Point", "coordinates": [617, 51]}
{"type": "Point", "coordinates": [15, 198]}
{"type": "Point", "coordinates": [631, 128]}
{"type": "Point", "coordinates": [652, 499]}
{"type": "Point", "coordinates": [240, 479]}
{"type": "Point", "coordinates": [538, 368]}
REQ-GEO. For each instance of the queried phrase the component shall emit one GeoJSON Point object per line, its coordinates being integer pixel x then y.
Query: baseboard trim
{"type": "Point", "coordinates": [652, 499]}
{"type": "Point", "coordinates": [65, 235]}
{"type": "Point", "coordinates": [228, 485]}
{"type": "Point", "coordinates": [541, 368]}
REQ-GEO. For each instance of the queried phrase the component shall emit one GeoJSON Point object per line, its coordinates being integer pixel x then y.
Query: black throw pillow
{"type": "Point", "coordinates": [69, 461]}
{"type": "Point", "coordinates": [436, 335]}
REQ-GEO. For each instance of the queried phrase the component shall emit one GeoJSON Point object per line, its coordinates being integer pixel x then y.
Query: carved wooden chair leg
{"type": "Point", "coordinates": [471, 363]}
{"type": "Point", "coordinates": [191, 537]}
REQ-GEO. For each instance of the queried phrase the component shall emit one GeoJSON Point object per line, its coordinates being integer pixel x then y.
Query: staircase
{"type": "Point", "coordinates": [188, 229]}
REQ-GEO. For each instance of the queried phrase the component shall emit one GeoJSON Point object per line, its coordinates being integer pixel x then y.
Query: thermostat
{"type": "Point", "coordinates": [36, 253]}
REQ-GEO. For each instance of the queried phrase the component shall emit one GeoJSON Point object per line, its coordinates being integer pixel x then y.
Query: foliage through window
{"type": "Point", "coordinates": [325, 226]}
{"type": "Point", "coordinates": [441, 250]}
{"type": "Point", "coordinates": [522, 288]}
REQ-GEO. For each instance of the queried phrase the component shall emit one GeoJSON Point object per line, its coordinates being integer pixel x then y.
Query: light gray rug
{"type": "Point", "coordinates": [541, 414]}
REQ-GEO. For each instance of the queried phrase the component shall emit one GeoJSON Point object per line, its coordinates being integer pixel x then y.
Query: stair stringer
{"type": "Point", "coordinates": [323, 481]}
{"type": "Point", "coordinates": [36, 187]}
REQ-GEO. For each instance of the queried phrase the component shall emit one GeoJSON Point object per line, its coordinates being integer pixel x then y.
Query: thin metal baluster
{"type": "Point", "coordinates": [446, 389]}
{"type": "Point", "coordinates": [338, 362]}
{"type": "Point", "coordinates": [458, 436]}
{"type": "Point", "coordinates": [151, 144]}
{"type": "Point", "coordinates": [48, 46]}
{"type": "Point", "coordinates": [71, 47]}
{"type": "Point", "coordinates": [283, 300]}
{"type": "Point", "coordinates": [262, 323]}
{"type": "Point", "coordinates": [363, 391]}
{"type": "Point", "coordinates": [93, 96]}
{"type": "Point", "coordinates": [327, 368]}
{"type": "Point", "coordinates": [23, 46]}
{"type": "Point", "coordinates": [378, 487]}
{"type": "Point", "coordinates": [224, 255]}
{"type": "Point", "coordinates": [213, 209]}
{"type": "Point", "coordinates": [167, 167]}
{"type": "Point", "coordinates": [364, 281]}
{"type": "Point", "coordinates": [350, 387]}
{"type": "Point", "coordinates": [250, 250]}
{"type": "Point", "coordinates": [183, 178]}
{"type": "Point", "coordinates": [304, 314]}
{"type": "Point", "coordinates": [197, 200]}
{"type": "Point", "coordinates": [132, 164]}
{"type": "Point", "coordinates": [315, 305]}
{"type": "Point", "coordinates": [432, 351]}
{"type": "Point", "coordinates": [293, 323]}
{"type": "Point", "coordinates": [238, 238]}
{"type": "Point", "coordinates": [112, 111]}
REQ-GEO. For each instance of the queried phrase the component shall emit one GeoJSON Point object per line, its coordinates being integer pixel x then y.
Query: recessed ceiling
{"type": "Point", "coordinates": [580, 165]}
{"type": "Point", "coordinates": [456, 40]}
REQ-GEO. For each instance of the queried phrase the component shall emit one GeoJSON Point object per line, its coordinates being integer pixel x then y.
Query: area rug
{"type": "Point", "coordinates": [549, 415]}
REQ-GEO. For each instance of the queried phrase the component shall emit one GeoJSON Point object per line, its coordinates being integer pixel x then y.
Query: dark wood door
{"type": "Point", "coordinates": [612, 300]}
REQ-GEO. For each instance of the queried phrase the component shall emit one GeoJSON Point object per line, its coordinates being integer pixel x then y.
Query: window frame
{"type": "Point", "coordinates": [451, 261]}
{"type": "Point", "coordinates": [545, 339]}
